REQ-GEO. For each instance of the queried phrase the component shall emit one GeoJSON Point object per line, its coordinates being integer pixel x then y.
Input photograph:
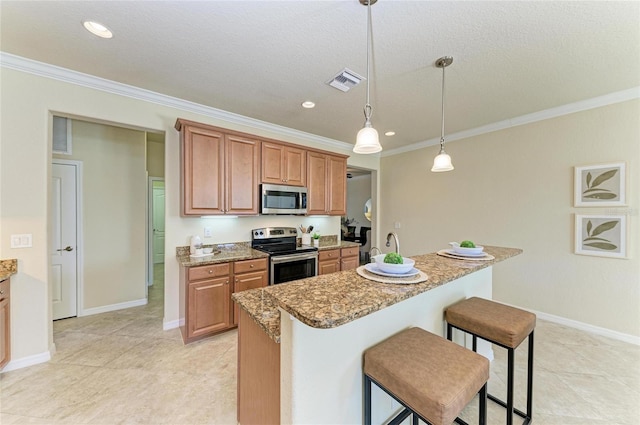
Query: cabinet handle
{"type": "Point", "coordinates": [251, 266]}
{"type": "Point", "coordinates": [1, 292]}
{"type": "Point", "coordinates": [227, 282]}
{"type": "Point", "coordinates": [210, 271]}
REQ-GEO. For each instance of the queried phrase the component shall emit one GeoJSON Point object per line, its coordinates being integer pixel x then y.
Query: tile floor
{"type": "Point", "coordinates": [122, 368]}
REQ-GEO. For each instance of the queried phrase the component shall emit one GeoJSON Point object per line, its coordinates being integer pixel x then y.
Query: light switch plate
{"type": "Point", "coordinates": [22, 241]}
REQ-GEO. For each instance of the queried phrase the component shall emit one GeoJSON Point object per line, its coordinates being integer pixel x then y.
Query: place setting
{"type": "Point", "coordinates": [392, 268]}
{"type": "Point", "coordinates": [466, 250]}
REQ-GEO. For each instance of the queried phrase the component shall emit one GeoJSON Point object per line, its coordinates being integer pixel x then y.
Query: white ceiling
{"type": "Point", "coordinates": [261, 59]}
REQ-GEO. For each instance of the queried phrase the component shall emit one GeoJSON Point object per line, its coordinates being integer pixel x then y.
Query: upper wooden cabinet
{"type": "Point", "coordinates": [219, 173]}
{"type": "Point", "coordinates": [282, 164]}
{"type": "Point", "coordinates": [327, 184]}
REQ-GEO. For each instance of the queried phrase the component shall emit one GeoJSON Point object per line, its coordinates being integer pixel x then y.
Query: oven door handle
{"type": "Point", "coordinates": [293, 257]}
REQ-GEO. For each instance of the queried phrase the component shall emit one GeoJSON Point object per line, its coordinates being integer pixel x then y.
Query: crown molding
{"type": "Point", "coordinates": [583, 105]}
{"type": "Point", "coordinates": [54, 72]}
{"type": "Point", "coordinates": [42, 69]}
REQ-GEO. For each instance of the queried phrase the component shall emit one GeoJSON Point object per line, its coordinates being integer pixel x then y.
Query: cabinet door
{"type": "Point", "coordinates": [349, 263]}
{"type": "Point", "coordinates": [202, 171]}
{"type": "Point", "coordinates": [337, 185]}
{"type": "Point", "coordinates": [209, 306]}
{"type": "Point", "coordinates": [273, 158]}
{"type": "Point", "coordinates": [317, 180]}
{"type": "Point", "coordinates": [245, 281]}
{"type": "Point", "coordinates": [243, 166]}
{"type": "Point", "coordinates": [328, 266]}
{"type": "Point", "coordinates": [5, 324]}
{"type": "Point", "coordinates": [295, 172]}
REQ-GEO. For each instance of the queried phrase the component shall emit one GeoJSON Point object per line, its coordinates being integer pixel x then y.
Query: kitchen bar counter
{"type": "Point", "coordinates": [332, 300]}
{"type": "Point", "coordinates": [319, 327]}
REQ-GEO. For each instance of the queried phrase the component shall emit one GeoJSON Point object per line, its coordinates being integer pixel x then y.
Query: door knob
{"type": "Point", "coordinates": [65, 249]}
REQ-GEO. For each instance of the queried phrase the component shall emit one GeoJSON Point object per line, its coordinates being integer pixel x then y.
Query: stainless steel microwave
{"type": "Point", "coordinates": [280, 199]}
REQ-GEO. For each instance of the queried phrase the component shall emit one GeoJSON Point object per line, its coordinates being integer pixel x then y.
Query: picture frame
{"type": "Point", "coordinates": [601, 185]}
{"type": "Point", "coordinates": [601, 235]}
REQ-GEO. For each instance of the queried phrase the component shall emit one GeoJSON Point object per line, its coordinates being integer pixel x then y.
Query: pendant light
{"type": "Point", "coordinates": [367, 139]}
{"type": "Point", "coordinates": [442, 162]}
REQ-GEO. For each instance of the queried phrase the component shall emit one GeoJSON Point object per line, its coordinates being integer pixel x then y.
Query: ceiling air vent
{"type": "Point", "coordinates": [345, 80]}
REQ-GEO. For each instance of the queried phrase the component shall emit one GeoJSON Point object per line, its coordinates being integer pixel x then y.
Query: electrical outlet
{"type": "Point", "coordinates": [208, 232]}
{"type": "Point", "coordinates": [22, 241]}
{"type": "Point", "coordinates": [396, 225]}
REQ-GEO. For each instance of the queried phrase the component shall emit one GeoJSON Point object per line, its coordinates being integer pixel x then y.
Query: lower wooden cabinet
{"type": "Point", "coordinates": [205, 295]}
{"type": "Point", "coordinates": [329, 261]}
{"type": "Point", "coordinates": [5, 323]}
{"type": "Point", "coordinates": [248, 274]}
{"type": "Point", "coordinates": [206, 300]}
{"type": "Point", "coordinates": [349, 258]}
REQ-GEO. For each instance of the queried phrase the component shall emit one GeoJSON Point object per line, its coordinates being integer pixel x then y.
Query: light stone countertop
{"type": "Point", "coordinates": [228, 252]}
{"type": "Point", "coordinates": [329, 301]}
{"type": "Point", "coordinates": [8, 268]}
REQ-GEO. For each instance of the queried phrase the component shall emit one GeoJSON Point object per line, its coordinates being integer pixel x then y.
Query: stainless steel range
{"type": "Point", "coordinates": [287, 261]}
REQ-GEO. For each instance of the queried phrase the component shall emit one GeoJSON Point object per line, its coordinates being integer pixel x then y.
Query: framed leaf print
{"type": "Point", "coordinates": [601, 235]}
{"type": "Point", "coordinates": [600, 185]}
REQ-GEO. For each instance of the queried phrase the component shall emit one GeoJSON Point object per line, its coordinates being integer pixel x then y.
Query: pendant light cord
{"type": "Point", "coordinates": [442, 131]}
{"type": "Point", "coordinates": [367, 107]}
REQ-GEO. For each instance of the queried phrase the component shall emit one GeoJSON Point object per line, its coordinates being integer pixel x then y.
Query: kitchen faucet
{"type": "Point", "coordinates": [395, 238]}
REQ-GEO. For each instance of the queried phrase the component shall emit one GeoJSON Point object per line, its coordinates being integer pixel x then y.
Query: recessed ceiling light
{"type": "Point", "coordinates": [390, 133]}
{"type": "Point", "coordinates": [98, 29]}
{"type": "Point", "coordinates": [308, 104]}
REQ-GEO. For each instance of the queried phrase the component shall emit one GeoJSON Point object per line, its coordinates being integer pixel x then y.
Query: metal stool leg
{"type": "Point", "coordinates": [530, 379]}
{"type": "Point", "coordinates": [367, 400]}
{"type": "Point", "coordinates": [482, 418]}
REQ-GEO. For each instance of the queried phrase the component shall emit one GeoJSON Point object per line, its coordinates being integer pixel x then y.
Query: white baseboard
{"type": "Point", "coordinates": [27, 361]}
{"type": "Point", "coordinates": [172, 324]}
{"type": "Point", "coordinates": [587, 328]}
{"type": "Point", "coordinates": [112, 307]}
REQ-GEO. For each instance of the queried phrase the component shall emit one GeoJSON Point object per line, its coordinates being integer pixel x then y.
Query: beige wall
{"type": "Point", "coordinates": [514, 188]}
{"type": "Point", "coordinates": [114, 212]}
{"type": "Point", "coordinates": [155, 158]}
{"type": "Point", "coordinates": [26, 103]}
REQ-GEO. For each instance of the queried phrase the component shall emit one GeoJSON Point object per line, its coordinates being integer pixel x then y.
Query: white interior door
{"type": "Point", "coordinates": [158, 222]}
{"type": "Point", "coordinates": [64, 286]}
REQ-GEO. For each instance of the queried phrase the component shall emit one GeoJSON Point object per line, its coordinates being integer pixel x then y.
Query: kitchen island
{"type": "Point", "coordinates": [314, 331]}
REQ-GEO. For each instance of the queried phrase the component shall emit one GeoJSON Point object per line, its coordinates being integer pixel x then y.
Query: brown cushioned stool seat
{"type": "Point", "coordinates": [434, 379]}
{"type": "Point", "coordinates": [502, 325]}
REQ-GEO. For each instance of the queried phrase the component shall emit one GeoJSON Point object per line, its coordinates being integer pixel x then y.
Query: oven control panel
{"type": "Point", "coordinates": [273, 232]}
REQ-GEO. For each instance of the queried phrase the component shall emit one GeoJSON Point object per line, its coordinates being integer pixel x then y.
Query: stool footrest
{"type": "Point", "coordinates": [515, 410]}
{"type": "Point", "coordinates": [400, 417]}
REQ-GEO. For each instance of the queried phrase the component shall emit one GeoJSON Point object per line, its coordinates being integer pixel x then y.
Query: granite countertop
{"type": "Point", "coordinates": [329, 301]}
{"type": "Point", "coordinates": [228, 252]}
{"type": "Point", "coordinates": [325, 246]}
{"type": "Point", "coordinates": [8, 268]}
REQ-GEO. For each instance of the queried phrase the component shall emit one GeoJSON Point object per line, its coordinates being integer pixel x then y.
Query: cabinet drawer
{"type": "Point", "coordinates": [351, 252]}
{"type": "Point", "coordinates": [332, 254]}
{"type": "Point", "coordinates": [204, 272]}
{"type": "Point", "coordinates": [245, 266]}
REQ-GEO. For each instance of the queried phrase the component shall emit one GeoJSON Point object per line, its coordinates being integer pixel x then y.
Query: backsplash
{"type": "Point", "coordinates": [239, 246]}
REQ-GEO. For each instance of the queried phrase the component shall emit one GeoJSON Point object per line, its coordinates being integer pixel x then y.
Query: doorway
{"type": "Point", "coordinates": [155, 232]}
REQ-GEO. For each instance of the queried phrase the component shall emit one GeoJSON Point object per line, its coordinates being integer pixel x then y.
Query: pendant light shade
{"type": "Point", "coordinates": [442, 162]}
{"type": "Point", "coordinates": [367, 140]}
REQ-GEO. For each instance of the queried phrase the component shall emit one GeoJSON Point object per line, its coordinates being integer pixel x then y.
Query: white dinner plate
{"type": "Point", "coordinates": [371, 267]}
{"type": "Point", "coordinates": [457, 254]}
